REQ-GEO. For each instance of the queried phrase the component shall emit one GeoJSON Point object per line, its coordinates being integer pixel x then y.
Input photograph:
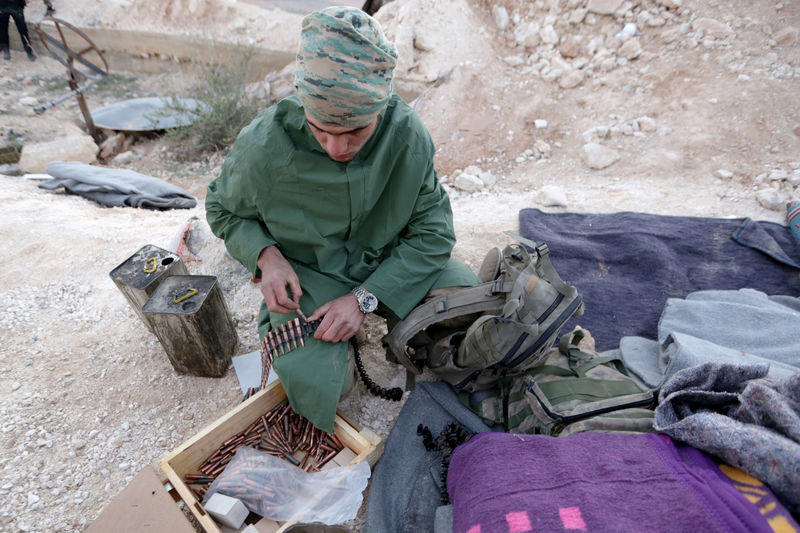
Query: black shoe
{"type": "Point", "coordinates": [6, 54]}
{"type": "Point", "coordinates": [31, 55]}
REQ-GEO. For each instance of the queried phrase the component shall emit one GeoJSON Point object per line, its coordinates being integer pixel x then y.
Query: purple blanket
{"type": "Point", "coordinates": [596, 482]}
{"type": "Point", "coordinates": [626, 265]}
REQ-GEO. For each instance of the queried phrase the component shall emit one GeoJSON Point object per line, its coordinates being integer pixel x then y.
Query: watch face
{"type": "Point", "coordinates": [369, 303]}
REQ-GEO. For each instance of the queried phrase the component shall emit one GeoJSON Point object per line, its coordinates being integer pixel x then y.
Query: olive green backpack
{"type": "Point", "coordinates": [573, 390]}
{"type": "Point", "coordinates": [505, 325]}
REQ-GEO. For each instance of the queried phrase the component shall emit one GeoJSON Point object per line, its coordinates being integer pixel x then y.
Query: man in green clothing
{"type": "Point", "coordinates": [330, 196]}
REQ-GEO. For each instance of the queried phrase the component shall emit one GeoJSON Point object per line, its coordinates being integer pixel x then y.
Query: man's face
{"type": "Point", "coordinates": [341, 143]}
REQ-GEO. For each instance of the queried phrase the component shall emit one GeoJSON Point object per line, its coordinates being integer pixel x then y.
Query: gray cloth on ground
{"type": "Point", "coordinates": [729, 411]}
{"type": "Point", "coordinates": [443, 522]}
{"type": "Point", "coordinates": [116, 187]}
{"type": "Point", "coordinates": [405, 489]}
{"type": "Point", "coordinates": [743, 326]}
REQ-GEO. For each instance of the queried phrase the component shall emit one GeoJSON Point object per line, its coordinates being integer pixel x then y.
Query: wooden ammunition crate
{"type": "Point", "coordinates": [366, 446]}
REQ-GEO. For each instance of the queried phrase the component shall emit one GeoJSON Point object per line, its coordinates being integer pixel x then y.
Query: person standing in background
{"type": "Point", "coordinates": [15, 9]}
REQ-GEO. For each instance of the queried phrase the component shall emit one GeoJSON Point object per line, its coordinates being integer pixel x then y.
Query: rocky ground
{"type": "Point", "coordinates": [675, 107]}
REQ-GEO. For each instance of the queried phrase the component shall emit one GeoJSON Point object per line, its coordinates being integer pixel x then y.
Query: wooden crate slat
{"type": "Point", "coordinates": [190, 455]}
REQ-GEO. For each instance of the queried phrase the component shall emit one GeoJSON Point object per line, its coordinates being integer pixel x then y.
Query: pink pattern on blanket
{"type": "Point", "coordinates": [518, 522]}
{"type": "Point", "coordinates": [571, 518]}
{"type": "Point", "coordinates": [475, 529]}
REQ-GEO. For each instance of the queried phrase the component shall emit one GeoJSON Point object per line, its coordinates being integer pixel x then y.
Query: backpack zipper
{"type": "Point", "coordinates": [541, 318]}
{"type": "Point", "coordinates": [573, 418]}
{"type": "Point", "coordinates": [563, 317]}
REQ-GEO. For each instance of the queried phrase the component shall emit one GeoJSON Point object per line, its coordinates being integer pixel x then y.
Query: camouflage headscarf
{"type": "Point", "coordinates": [345, 66]}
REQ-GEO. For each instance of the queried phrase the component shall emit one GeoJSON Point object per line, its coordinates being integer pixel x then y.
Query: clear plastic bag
{"type": "Point", "coordinates": [278, 490]}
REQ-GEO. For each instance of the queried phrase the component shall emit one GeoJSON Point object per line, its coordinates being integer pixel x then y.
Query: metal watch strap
{"type": "Point", "coordinates": [361, 293]}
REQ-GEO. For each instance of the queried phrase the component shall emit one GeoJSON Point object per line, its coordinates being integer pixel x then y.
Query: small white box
{"type": "Point", "coordinates": [226, 510]}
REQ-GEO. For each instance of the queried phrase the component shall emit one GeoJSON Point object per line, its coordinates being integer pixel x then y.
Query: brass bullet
{"type": "Point", "coordinates": [298, 328]}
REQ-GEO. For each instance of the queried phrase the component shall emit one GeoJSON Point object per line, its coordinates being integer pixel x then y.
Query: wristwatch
{"type": "Point", "coordinates": [367, 302]}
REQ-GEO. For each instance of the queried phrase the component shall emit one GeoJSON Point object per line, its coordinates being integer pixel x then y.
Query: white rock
{"type": "Point", "coordinates": [778, 175]}
{"type": "Point", "coordinates": [422, 41]}
{"type": "Point", "coordinates": [711, 27]}
{"type": "Point", "coordinates": [631, 49]}
{"type": "Point", "coordinates": [608, 64]}
{"type": "Point", "coordinates": [539, 123]}
{"type": "Point", "coordinates": [548, 35]}
{"type": "Point", "coordinates": [500, 17]}
{"type": "Point", "coordinates": [125, 158]}
{"type": "Point", "coordinates": [514, 61]}
{"type": "Point", "coordinates": [487, 178]}
{"type": "Point", "coordinates": [74, 146]}
{"type": "Point", "coordinates": [552, 196]}
{"type": "Point", "coordinates": [671, 35]}
{"type": "Point", "coordinates": [772, 199]}
{"type": "Point", "coordinates": [468, 183]}
{"type": "Point", "coordinates": [723, 174]}
{"type": "Point", "coordinates": [669, 4]}
{"type": "Point", "coordinates": [16, 385]}
{"type": "Point", "coordinates": [646, 124]}
{"type": "Point", "coordinates": [594, 134]}
{"type": "Point", "coordinates": [32, 499]}
{"type": "Point", "coordinates": [571, 79]}
{"type": "Point", "coordinates": [542, 147]}
{"type": "Point", "coordinates": [598, 156]}
{"type": "Point", "coordinates": [603, 7]}
{"type": "Point", "coordinates": [577, 16]}
{"type": "Point", "coordinates": [475, 170]}
{"type": "Point", "coordinates": [28, 101]}
{"type": "Point", "coordinates": [527, 35]}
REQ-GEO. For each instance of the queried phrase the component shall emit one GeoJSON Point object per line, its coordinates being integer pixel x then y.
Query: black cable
{"type": "Point", "coordinates": [393, 394]}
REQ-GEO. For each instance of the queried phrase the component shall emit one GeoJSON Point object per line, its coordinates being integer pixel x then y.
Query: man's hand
{"type": "Point", "coordinates": [276, 274]}
{"type": "Point", "coordinates": [342, 318]}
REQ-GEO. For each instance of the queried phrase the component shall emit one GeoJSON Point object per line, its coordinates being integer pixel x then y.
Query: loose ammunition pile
{"type": "Point", "coordinates": [279, 432]}
{"type": "Point", "coordinates": [282, 339]}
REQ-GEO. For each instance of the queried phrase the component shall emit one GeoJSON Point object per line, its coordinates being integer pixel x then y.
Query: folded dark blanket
{"type": "Point", "coordinates": [405, 488]}
{"type": "Point", "coordinates": [626, 265]}
{"type": "Point", "coordinates": [602, 482]}
{"type": "Point", "coordinates": [727, 410]}
{"type": "Point", "coordinates": [116, 187]}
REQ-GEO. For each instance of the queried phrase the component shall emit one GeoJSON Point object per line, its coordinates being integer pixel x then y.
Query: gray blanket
{"type": "Point", "coordinates": [744, 326]}
{"type": "Point", "coordinates": [405, 488]}
{"type": "Point", "coordinates": [115, 187]}
{"type": "Point", "coordinates": [727, 410]}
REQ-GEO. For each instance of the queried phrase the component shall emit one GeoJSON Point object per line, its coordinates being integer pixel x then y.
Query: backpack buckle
{"type": "Point", "coordinates": [542, 249]}
{"type": "Point", "coordinates": [440, 306]}
{"type": "Point", "coordinates": [497, 286]}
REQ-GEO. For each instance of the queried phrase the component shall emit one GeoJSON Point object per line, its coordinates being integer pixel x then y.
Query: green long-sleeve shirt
{"type": "Point", "coordinates": [381, 220]}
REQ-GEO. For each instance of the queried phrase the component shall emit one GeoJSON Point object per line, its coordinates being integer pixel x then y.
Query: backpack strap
{"type": "Point", "coordinates": [568, 345]}
{"type": "Point", "coordinates": [540, 267]}
{"type": "Point", "coordinates": [485, 298]}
